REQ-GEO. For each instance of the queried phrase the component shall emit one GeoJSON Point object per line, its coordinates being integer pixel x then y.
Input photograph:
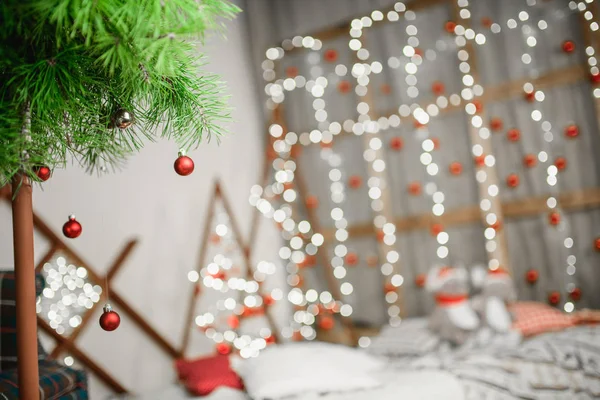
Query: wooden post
{"type": "Point", "coordinates": [27, 346]}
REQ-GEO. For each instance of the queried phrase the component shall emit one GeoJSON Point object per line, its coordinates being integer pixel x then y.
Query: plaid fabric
{"type": "Point", "coordinates": [532, 318]}
{"type": "Point", "coordinates": [56, 382]}
{"type": "Point", "coordinates": [8, 320]}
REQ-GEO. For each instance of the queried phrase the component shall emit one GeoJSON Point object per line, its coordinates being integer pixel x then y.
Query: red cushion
{"type": "Point", "coordinates": [203, 375]}
{"type": "Point", "coordinates": [533, 318]}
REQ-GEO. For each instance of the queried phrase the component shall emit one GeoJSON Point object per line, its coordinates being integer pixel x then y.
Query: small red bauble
{"type": "Point", "coordinates": [43, 173]}
{"type": "Point", "coordinates": [109, 320]}
{"type": "Point", "coordinates": [270, 339]}
{"type": "Point", "coordinates": [355, 181]}
{"type": "Point", "coordinates": [449, 26]}
{"type": "Point", "coordinates": [572, 131]}
{"type": "Point", "coordinates": [420, 280]}
{"type": "Point", "coordinates": [386, 89]}
{"type": "Point", "coordinates": [330, 55]}
{"type": "Point", "coordinates": [529, 96]}
{"type": "Point", "coordinates": [326, 322]}
{"type": "Point", "coordinates": [344, 87]}
{"type": "Point", "coordinates": [233, 321]}
{"type": "Point", "coordinates": [595, 78]}
{"type": "Point", "coordinates": [480, 160]}
{"type": "Point", "coordinates": [560, 163]}
{"type": "Point", "coordinates": [529, 160]}
{"type": "Point", "coordinates": [575, 294]}
{"type": "Point", "coordinates": [568, 46]}
{"type": "Point", "coordinates": [436, 229]}
{"type": "Point", "coordinates": [531, 276]}
{"type": "Point", "coordinates": [183, 165]}
{"type": "Point", "coordinates": [554, 218]}
{"type": "Point", "coordinates": [291, 72]}
{"type": "Point", "coordinates": [414, 188]}
{"type": "Point", "coordinates": [223, 348]}
{"type": "Point", "coordinates": [351, 259]}
{"type": "Point", "coordinates": [554, 298]}
{"type": "Point", "coordinates": [72, 228]}
{"type": "Point", "coordinates": [455, 168]}
{"type": "Point", "coordinates": [512, 180]}
{"type": "Point", "coordinates": [312, 201]}
{"type": "Point", "coordinates": [513, 135]}
{"type": "Point", "coordinates": [437, 88]}
{"type": "Point", "coordinates": [396, 143]}
{"type": "Point", "coordinates": [486, 22]}
{"type": "Point", "coordinates": [597, 244]}
{"type": "Point", "coordinates": [496, 124]}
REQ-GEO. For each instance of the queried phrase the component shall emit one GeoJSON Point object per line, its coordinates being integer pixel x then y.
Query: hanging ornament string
{"type": "Point", "coordinates": [109, 320]}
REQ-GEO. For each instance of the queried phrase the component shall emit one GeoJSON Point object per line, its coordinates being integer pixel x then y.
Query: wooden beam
{"type": "Point", "coordinates": [120, 259]}
{"type": "Point", "coordinates": [104, 376]}
{"type": "Point", "coordinates": [46, 258]}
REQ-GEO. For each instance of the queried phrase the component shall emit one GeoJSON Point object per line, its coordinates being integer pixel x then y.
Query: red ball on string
{"type": "Point", "coordinates": [330, 55]}
{"type": "Point", "coordinates": [529, 160]}
{"type": "Point", "coordinates": [420, 280]}
{"type": "Point", "coordinates": [455, 168]}
{"type": "Point", "coordinates": [529, 96]}
{"type": "Point", "coordinates": [435, 229]}
{"type": "Point", "coordinates": [351, 259]}
{"type": "Point", "coordinates": [72, 228]}
{"type": "Point", "coordinates": [396, 143]}
{"type": "Point", "coordinates": [479, 160]}
{"type": "Point", "coordinates": [223, 348]}
{"type": "Point", "coordinates": [512, 180]}
{"type": "Point", "coordinates": [554, 218]}
{"type": "Point", "coordinates": [575, 294]}
{"type": "Point", "coordinates": [568, 46]}
{"type": "Point", "coordinates": [496, 124]}
{"type": "Point", "coordinates": [554, 298]}
{"type": "Point", "coordinates": [326, 322]}
{"type": "Point", "coordinates": [438, 88]}
{"type": "Point", "coordinates": [109, 320]}
{"type": "Point", "coordinates": [355, 182]}
{"type": "Point", "coordinates": [595, 78]}
{"type": "Point", "coordinates": [270, 339]}
{"type": "Point", "coordinates": [513, 135]}
{"type": "Point", "coordinates": [560, 163]}
{"type": "Point", "coordinates": [312, 201]}
{"type": "Point", "coordinates": [449, 26]}
{"type": "Point", "coordinates": [532, 276]}
{"type": "Point", "coordinates": [43, 173]}
{"type": "Point", "coordinates": [344, 87]}
{"type": "Point", "coordinates": [572, 131]}
{"type": "Point", "coordinates": [183, 165]}
{"type": "Point", "coordinates": [414, 188]}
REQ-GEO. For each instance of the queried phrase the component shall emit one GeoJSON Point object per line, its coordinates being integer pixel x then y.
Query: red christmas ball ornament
{"type": "Point", "coordinates": [291, 72]}
{"type": "Point", "coordinates": [529, 160]}
{"type": "Point", "coordinates": [109, 320]}
{"type": "Point", "coordinates": [560, 163]}
{"type": "Point", "coordinates": [43, 173]}
{"type": "Point", "coordinates": [554, 218]}
{"type": "Point", "coordinates": [512, 180]}
{"type": "Point", "coordinates": [330, 55]}
{"type": "Point", "coordinates": [233, 321]}
{"type": "Point", "coordinates": [420, 280]}
{"type": "Point", "coordinates": [486, 22]}
{"type": "Point", "coordinates": [312, 201]}
{"type": "Point", "coordinates": [597, 244]}
{"type": "Point", "coordinates": [554, 298]}
{"type": "Point", "coordinates": [223, 348]}
{"type": "Point", "coordinates": [455, 168]}
{"type": "Point", "coordinates": [326, 322]}
{"type": "Point", "coordinates": [572, 131]}
{"type": "Point", "coordinates": [351, 259]}
{"type": "Point", "coordinates": [355, 182]}
{"type": "Point", "coordinates": [435, 229]}
{"type": "Point", "coordinates": [414, 188]}
{"type": "Point", "coordinates": [183, 165]}
{"type": "Point", "coordinates": [385, 89]}
{"type": "Point", "coordinates": [344, 87]}
{"type": "Point", "coordinates": [575, 294]}
{"type": "Point", "coordinates": [532, 276]}
{"type": "Point", "coordinates": [479, 160]}
{"type": "Point", "coordinates": [438, 88]}
{"type": "Point", "coordinates": [450, 26]}
{"type": "Point", "coordinates": [270, 339]}
{"type": "Point", "coordinates": [595, 78]}
{"type": "Point", "coordinates": [513, 135]}
{"type": "Point", "coordinates": [529, 96]}
{"type": "Point", "coordinates": [396, 143]}
{"type": "Point", "coordinates": [568, 46]}
{"type": "Point", "coordinates": [496, 123]}
{"type": "Point", "coordinates": [72, 228]}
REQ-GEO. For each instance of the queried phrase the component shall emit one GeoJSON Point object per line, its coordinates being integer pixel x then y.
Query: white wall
{"type": "Point", "coordinates": [166, 212]}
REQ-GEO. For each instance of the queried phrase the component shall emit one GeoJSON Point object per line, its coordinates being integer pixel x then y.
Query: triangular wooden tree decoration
{"type": "Point", "coordinates": [227, 304]}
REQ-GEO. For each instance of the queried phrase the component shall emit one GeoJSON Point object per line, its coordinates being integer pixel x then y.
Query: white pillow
{"type": "Point", "coordinates": [299, 368]}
